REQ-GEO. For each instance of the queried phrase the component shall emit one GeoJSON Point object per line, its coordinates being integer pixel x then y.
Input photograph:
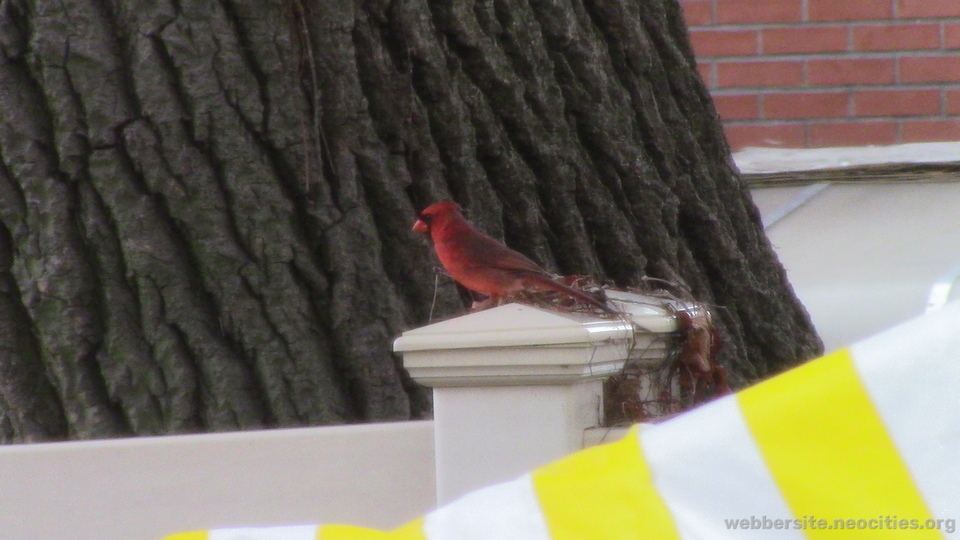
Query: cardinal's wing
{"type": "Point", "coordinates": [485, 251]}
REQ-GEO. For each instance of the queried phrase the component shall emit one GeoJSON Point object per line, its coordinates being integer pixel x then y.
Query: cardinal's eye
{"type": "Point", "coordinates": [426, 218]}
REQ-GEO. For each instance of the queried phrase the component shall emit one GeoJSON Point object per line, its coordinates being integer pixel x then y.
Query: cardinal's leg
{"type": "Point", "coordinates": [487, 303]}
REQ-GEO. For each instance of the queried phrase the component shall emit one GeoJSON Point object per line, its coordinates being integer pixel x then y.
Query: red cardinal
{"type": "Point", "coordinates": [483, 264]}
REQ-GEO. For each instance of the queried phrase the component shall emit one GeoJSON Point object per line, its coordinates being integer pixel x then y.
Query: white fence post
{"type": "Point", "coordinates": [515, 387]}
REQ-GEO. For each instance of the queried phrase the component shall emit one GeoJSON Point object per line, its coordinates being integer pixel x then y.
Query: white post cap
{"type": "Point", "coordinates": [517, 344]}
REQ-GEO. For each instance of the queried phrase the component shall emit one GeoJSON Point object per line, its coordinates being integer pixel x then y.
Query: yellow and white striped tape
{"type": "Point", "coordinates": [860, 443]}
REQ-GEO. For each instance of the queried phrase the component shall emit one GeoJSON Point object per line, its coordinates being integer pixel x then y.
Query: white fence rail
{"type": "Point", "coordinates": [514, 388]}
{"type": "Point", "coordinates": [378, 475]}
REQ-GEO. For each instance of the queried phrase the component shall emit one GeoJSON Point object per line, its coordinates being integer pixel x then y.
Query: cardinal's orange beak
{"type": "Point", "coordinates": [420, 227]}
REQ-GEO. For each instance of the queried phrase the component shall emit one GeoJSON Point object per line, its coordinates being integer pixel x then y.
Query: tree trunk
{"type": "Point", "coordinates": [205, 207]}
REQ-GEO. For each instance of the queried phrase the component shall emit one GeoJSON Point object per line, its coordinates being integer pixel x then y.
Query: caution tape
{"type": "Point", "coordinates": [863, 442]}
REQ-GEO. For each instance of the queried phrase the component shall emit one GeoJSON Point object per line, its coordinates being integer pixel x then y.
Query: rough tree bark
{"type": "Point", "coordinates": [205, 206]}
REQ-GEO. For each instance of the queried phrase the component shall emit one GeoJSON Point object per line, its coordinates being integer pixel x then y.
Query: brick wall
{"type": "Point", "coordinates": [811, 73]}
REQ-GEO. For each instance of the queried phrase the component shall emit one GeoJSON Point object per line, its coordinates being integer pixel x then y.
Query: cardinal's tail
{"type": "Point", "coordinates": [543, 282]}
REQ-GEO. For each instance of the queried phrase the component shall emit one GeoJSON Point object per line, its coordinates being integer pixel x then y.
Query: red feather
{"type": "Point", "coordinates": [482, 264]}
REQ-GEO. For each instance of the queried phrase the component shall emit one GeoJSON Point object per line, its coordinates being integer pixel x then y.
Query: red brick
{"type": "Point", "coordinates": [697, 12]}
{"type": "Point", "coordinates": [931, 130]}
{"type": "Point", "coordinates": [853, 133]}
{"type": "Point", "coordinates": [903, 37]}
{"type": "Point", "coordinates": [849, 10]}
{"type": "Point", "coordinates": [952, 101]}
{"type": "Point", "coordinates": [850, 71]}
{"type": "Point", "coordinates": [759, 73]}
{"type": "Point", "coordinates": [915, 69]}
{"type": "Point", "coordinates": [811, 39]}
{"type": "Point", "coordinates": [951, 35]}
{"type": "Point", "coordinates": [758, 11]}
{"type": "Point", "coordinates": [784, 135]}
{"type": "Point", "coordinates": [724, 42]}
{"type": "Point", "coordinates": [706, 73]}
{"type": "Point", "coordinates": [738, 106]}
{"type": "Point", "coordinates": [806, 105]}
{"type": "Point", "coordinates": [896, 102]}
{"type": "Point", "coordinates": [912, 9]}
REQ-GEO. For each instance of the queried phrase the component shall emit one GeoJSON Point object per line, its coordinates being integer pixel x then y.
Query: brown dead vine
{"type": "Point", "coordinates": [688, 375]}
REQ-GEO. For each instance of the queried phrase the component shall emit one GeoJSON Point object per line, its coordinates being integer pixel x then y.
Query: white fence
{"type": "Point", "coordinates": [376, 475]}
{"type": "Point", "coordinates": [514, 387]}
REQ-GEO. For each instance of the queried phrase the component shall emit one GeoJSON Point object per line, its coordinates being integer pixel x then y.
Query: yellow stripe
{"type": "Point", "coordinates": [828, 451]}
{"type": "Point", "coordinates": [411, 531]}
{"type": "Point", "coordinates": [603, 493]}
{"type": "Point", "coordinates": [192, 535]}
